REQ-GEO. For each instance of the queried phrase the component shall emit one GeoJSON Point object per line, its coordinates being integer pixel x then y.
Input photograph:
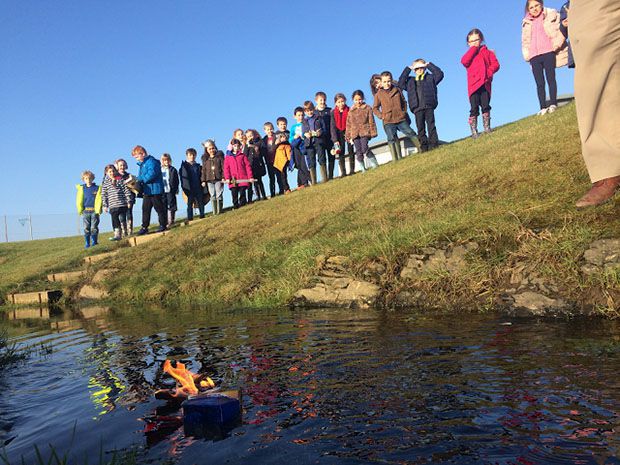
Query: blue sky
{"type": "Point", "coordinates": [83, 81]}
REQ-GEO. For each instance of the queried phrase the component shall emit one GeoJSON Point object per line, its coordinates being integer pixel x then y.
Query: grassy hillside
{"type": "Point", "coordinates": [512, 192]}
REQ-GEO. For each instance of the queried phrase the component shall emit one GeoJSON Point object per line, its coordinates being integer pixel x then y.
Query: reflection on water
{"type": "Point", "coordinates": [326, 386]}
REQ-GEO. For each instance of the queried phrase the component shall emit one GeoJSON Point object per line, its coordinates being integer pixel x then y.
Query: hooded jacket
{"type": "Point", "coordinates": [390, 106]}
{"type": "Point", "coordinates": [551, 25]}
{"type": "Point", "coordinates": [237, 166]}
{"type": "Point", "coordinates": [79, 199]}
{"type": "Point", "coordinates": [428, 86]}
{"type": "Point", "coordinates": [481, 64]}
{"type": "Point", "coordinates": [361, 122]}
{"type": "Point", "coordinates": [150, 176]}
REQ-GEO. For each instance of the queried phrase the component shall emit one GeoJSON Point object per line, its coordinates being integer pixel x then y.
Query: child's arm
{"type": "Point", "coordinates": [469, 56]}
{"type": "Point", "coordinates": [148, 174]}
{"type": "Point", "coordinates": [372, 124]}
{"type": "Point", "coordinates": [404, 77]}
{"type": "Point", "coordinates": [79, 199]}
{"type": "Point", "coordinates": [436, 72]}
{"type": "Point", "coordinates": [248, 167]}
{"type": "Point", "coordinates": [126, 193]}
{"type": "Point", "coordinates": [493, 63]}
{"type": "Point", "coordinates": [376, 105]}
{"type": "Point", "coordinates": [347, 131]}
{"type": "Point", "coordinates": [332, 127]}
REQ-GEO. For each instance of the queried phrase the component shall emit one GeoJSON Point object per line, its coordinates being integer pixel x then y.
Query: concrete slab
{"type": "Point", "coordinates": [97, 258]}
{"type": "Point", "coordinates": [93, 311]}
{"type": "Point", "coordinates": [91, 292]}
{"type": "Point", "coordinates": [40, 297]}
{"type": "Point", "coordinates": [29, 313]}
{"type": "Point", "coordinates": [137, 240]}
{"type": "Point", "coordinates": [65, 277]}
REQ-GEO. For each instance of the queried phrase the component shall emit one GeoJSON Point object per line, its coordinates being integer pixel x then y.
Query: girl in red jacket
{"type": "Point", "coordinates": [481, 64]}
{"type": "Point", "coordinates": [237, 173]}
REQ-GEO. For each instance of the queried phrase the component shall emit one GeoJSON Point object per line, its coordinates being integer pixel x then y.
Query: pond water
{"type": "Point", "coordinates": [319, 386]}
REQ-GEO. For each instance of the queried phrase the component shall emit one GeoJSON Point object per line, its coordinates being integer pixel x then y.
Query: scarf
{"type": "Point", "coordinates": [341, 118]}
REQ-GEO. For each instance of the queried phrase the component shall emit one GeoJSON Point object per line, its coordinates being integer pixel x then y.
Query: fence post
{"type": "Point", "coordinates": [30, 224]}
{"type": "Point", "coordinates": [6, 230]}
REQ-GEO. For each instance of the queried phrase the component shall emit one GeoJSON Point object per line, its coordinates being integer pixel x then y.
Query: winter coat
{"type": "Point", "coordinates": [390, 106]}
{"type": "Point", "coordinates": [332, 125]}
{"type": "Point", "coordinates": [268, 150]}
{"type": "Point", "coordinates": [551, 24]}
{"type": "Point", "coordinates": [189, 173]}
{"type": "Point", "coordinates": [481, 64]}
{"type": "Point", "coordinates": [564, 31]}
{"type": "Point", "coordinates": [79, 199]}
{"type": "Point", "coordinates": [212, 168]}
{"type": "Point", "coordinates": [361, 122]}
{"type": "Point", "coordinates": [150, 176]}
{"type": "Point", "coordinates": [314, 123]}
{"type": "Point", "coordinates": [114, 193]}
{"type": "Point", "coordinates": [132, 196]}
{"type": "Point", "coordinates": [252, 151]}
{"type": "Point", "coordinates": [173, 179]}
{"type": "Point", "coordinates": [283, 150]}
{"type": "Point", "coordinates": [326, 115]}
{"type": "Point", "coordinates": [428, 87]}
{"type": "Point", "coordinates": [237, 166]}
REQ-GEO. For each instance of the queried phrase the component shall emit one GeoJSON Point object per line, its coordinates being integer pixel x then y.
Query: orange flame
{"type": "Point", "coordinates": [183, 376]}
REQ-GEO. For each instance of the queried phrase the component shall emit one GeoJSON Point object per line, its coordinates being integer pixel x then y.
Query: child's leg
{"type": "Point", "coordinates": [319, 147]}
{"type": "Point", "coordinates": [190, 206]}
{"type": "Point", "coordinates": [331, 159]}
{"type": "Point", "coordinates": [158, 204]}
{"type": "Point", "coordinates": [549, 66]}
{"type": "Point", "coordinates": [122, 216]}
{"type": "Point", "coordinates": [250, 193]}
{"type": "Point", "coordinates": [342, 167]}
{"type": "Point", "coordinates": [116, 224]}
{"type": "Point", "coordinates": [404, 127]}
{"type": "Point", "coordinates": [537, 70]}
{"type": "Point", "coordinates": [87, 220]}
{"type": "Point", "coordinates": [359, 153]}
{"type": "Point", "coordinates": [433, 137]}
{"type": "Point", "coordinates": [94, 229]}
{"type": "Point", "coordinates": [201, 203]}
{"type": "Point", "coordinates": [420, 122]}
{"type": "Point", "coordinates": [130, 220]}
{"type": "Point", "coordinates": [272, 179]}
{"type": "Point", "coordinates": [242, 196]}
{"type": "Point", "coordinates": [284, 179]}
{"type": "Point", "coordinates": [474, 112]}
{"type": "Point", "coordinates": [485, 100]}
{"type": "Point", "coordinates": [260, 188]}
{"type": "Point", "coordinates": [234, 191]}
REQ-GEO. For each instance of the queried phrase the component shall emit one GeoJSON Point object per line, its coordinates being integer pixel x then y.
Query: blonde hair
{"type": "Point", "coordinates": [89, 174]}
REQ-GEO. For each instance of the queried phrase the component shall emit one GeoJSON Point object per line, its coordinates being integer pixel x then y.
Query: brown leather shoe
{"type": "Point", "coordinates": [600, 192]}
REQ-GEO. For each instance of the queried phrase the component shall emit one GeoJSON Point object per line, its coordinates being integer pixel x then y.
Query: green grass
{"type": "Point", "coordinates": [512, 192]}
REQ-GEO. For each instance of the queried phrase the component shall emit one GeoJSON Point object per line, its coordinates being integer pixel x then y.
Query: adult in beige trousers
{"type": "Point", "coordinates": [594, 31]}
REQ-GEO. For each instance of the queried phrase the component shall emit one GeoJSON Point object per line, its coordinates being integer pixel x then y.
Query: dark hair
{"type": "Point", "coordinates": [339, 95]}
{"type": "Point", "coordinates": [268, 123]}
{"type": "Point", "coordinates": [282, 118]}
{"type": "Point", "coordinates": [527, 4]}
{"type": "Point", "coordinates": [168, 157]}
{"type": "Point", "coordinates": [386, 74]}
{"type": "Point", "coordinates": [209, 142]}
{"type": "Point", "coordinates": [190, 150]}
{"type": "Point", "coordinates": [235, 141]}
{"type": "Point", "coordinates": [107, 167]}
{"type": "Point", "coordinates": [358, 92]}
{"type": "Point", "coordinates": [475, 31]}
{"type": "Point", "coordinates": [373, 78]}
{"type": "Point", "coordinates": [297, 109]}
{"type": "Point", "coordinates": [320, 93]}
{"type": "Point", "coordinates": [308, 106]}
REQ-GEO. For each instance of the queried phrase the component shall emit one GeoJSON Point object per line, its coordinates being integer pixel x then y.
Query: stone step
{"type": "Point", "coordinates": [137, 240]}
{"type": "Point", "coordinates": [194, 221]}
{"type": "Point", "coordinates": [40, 297]}
{"type": "Point", "coordinates": [97, 258]}
{"type": "Point", "coordinates": [65, 277]}
{"type": "Point", "coordinates": [90, 292]}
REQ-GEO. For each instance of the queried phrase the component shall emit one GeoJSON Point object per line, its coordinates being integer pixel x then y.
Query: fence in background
{"type": "Point", "coordinates": [28, 227]}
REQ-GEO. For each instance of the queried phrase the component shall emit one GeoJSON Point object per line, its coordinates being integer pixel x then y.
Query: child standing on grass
{"type": "Point", "coordinates": [422, 95]}
{"type": "Point", "coordinates": [360, 128]}
{"type": "Point", "coordinates": [213, 175]}
{"type": "Point", "coordinates": [116, 199]}
{"type": "Point", "coordinates": [298, 147]}
{"type": "Point", "coordinates": [391, 108]}
{"type": "Point", "coordinates": [282, 157]}
{"type": "Point", "coordinates": [253, 152]}
{"type": "Point", "coordinates": [314, 131]}
{"type": "Point", "coordinates": [189, 174]}
{"type": "Point", "coordinates": [237, 168]}
{"type": "Point", "coordinates": [325, 113]}
{"type": "Point", "coordinates": [170, 176]}
{"type": "Point", "coordinates": [121, 167]}
{"type": "Point", "coordinates": [481, 64]}
{"type": "Point", "coordinates": [88, 202]}
{"type": "Point", "coordinates": [342, 148]}
{"type": "Point", "coordinates": [268, 150]}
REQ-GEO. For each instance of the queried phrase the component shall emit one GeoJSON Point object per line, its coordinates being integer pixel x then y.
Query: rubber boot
{"type": "Point", "coordinates": [313, 175]}
{"type": "Point", "coordinates": [93, 240]}
{"type": "Point", "coordinates": [473, 126]}
{"type": "Point", "coordinates": [220, 206]}
{"type": "Point", "coordinates": [324, 177]}
{"type": "Point", "coordinates": [351, 164]}
{"type": "Point", "coordinates": [392, 151]}
{"type": "Point", "coordinates": [416, 143]}
{"type": "Point", "coordinates": [129, 227]}
{"type": "Point", "coordinates": [399, 151]}
{"type": "Point", "coordinates": [123, 229]}
{"type": "Point", "coordinates": [86, 241]}
{"type": "Point", "coordinates": [170, 218]}
{"type": "Point", "coordinates": [486, 122]}
{"type": "Point", "coordinates": [372, 160]}
{"type": "Point", "coordinates": [214, 206]}
{"type": "Point", "coordinates": [342, 166]}
{"type": "Point", "coordinates": [360, 166]}
{"type": "Point", "coordinates": [117, 235]}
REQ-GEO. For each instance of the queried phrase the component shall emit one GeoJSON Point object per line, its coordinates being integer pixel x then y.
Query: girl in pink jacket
{"type": "Point", "coordinates": [481, 64]}
{"type": "Point", "coordinates": [237, 168]}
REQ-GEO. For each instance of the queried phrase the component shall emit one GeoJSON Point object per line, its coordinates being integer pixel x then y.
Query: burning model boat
{"type": "Point", "coordinates": [207, 410]}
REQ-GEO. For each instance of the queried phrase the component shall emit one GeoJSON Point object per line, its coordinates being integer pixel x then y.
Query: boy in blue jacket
{"type": "Point", "coordinates": [422, 95]}
{"type": "Point", "coordinates": [89, 204]}
{"type": "Point", "coordinates": [298, 149]}
{"type": "Point", "coordinates": [152, 184]}
{"type": "Point", "coordinates": [314, 132]}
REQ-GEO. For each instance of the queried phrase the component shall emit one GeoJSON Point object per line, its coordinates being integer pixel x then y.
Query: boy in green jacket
{"type": "Point", "coordinates": [89, 204]}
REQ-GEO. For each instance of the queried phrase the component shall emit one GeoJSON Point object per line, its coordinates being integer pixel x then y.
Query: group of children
{"type": "Point", "coordinates": [319, 136]}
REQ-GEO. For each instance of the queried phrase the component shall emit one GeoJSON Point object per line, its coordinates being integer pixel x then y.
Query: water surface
{"type": "Point", "coordinates": [320, 386]}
